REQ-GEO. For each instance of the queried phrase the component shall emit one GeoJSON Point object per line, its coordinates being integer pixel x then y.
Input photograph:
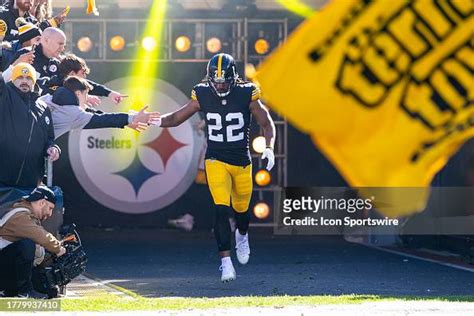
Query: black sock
{"type": "Point", "coordinates": [222, 229]}
{"type": "Point", "coordinates": [242, 221]}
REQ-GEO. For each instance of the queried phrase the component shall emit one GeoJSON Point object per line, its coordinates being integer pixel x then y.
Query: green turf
{"type": "Point", "coordinates": [115, 303]}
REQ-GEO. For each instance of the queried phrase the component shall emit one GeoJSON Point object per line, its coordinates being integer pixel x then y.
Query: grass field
{"type": "Point", "coordinates": [115, 303]}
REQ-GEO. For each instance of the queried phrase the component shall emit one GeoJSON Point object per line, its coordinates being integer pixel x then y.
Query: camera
{"type": "Point", "coordinates": [54, 273]}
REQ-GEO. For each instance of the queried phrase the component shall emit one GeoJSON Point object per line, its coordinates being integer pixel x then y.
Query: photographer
{"type": "Point", "coordinates": [21, 240]}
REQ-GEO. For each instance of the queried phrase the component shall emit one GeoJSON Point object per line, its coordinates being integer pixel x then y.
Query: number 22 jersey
{"type": "Point", "coordinates": [228, 121]}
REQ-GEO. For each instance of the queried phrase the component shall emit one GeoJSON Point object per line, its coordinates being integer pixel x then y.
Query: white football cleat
{"type": "Point", "coordinates": [242, 247]}
{"type": "Point", "coordinates": [228, 271]}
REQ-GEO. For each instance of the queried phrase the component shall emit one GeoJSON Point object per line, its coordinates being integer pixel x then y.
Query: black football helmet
{"type": "Point", "coordinates": [221, 74]}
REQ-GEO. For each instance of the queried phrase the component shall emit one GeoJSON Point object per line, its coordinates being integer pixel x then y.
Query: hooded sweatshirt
{"type": "Point", "coordinates": [68, 115]}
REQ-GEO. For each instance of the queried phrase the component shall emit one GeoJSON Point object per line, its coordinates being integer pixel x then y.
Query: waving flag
{"type": "Point", "coordinates": [385, 88]}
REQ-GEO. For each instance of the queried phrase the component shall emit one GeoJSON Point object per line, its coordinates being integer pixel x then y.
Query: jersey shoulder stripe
{"type": "Point", "coordinates": [255, 93]}
{"type": "Point", "coordinates": [255, 90]}
{"type": "Point", "coordinates": [202, 85]}
{"type": "Point", "coordinates": [244, 84]}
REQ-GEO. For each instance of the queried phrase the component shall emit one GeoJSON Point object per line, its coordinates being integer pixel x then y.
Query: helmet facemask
{"type": "Point", "coordinates": [221, 86]}
{"type": "Point", "coordinates": [223, 82]}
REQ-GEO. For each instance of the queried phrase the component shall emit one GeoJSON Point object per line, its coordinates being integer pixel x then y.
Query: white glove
{"type": "Point", "coordinates": [155, 122]}
{"type": "Point", "coordinates": [39, 255]}
{"type": "Point", "coordinates": [268, 153]}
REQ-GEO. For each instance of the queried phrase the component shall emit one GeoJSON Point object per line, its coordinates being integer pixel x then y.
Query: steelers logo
{"type": "Point", "coordinates": [25, 71]}
{"type": "Point", "coordinates": [19, 22]}
{"type": "Point", "coordinates": [53, 68]}
{"type": "Point", "coordinates": [3, 28]}
{"type": "Point", "coordinates": [132, 172]}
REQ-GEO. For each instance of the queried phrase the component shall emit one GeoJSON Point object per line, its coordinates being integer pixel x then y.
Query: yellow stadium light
{"type": "Point", "coordinates": [149, 43]}
{"type": "Point", "coordinates": [213, 45]}
{"type": "Point", "coordinates": [261, 210]}
{"type": "Point", "coordinates": [182, 44]}
{"type": "Point", "coordinates": [259, 144]}
{"type": "Point", "coordinates": [84, 44]}
{"type": "Point", "coordinates": [262, 46]}
{"type": "Point", "coordinates": [250, 71]}
{"type": "Point", "coordinates": [263, 178]}
{"type": "Point", "coordinates": [117, 43]}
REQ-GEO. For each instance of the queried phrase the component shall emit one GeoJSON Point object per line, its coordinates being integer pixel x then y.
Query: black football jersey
{"type": "Point", "coordinates": [228, 121]}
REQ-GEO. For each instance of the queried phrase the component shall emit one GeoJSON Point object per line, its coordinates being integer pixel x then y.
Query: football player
{"type": "Point", "coordinates": [228, 103]}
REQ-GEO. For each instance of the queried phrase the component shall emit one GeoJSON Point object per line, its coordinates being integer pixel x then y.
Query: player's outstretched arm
{"type": "Point", "coordinates": [265, 121]}
{"type": "Point", "coordinates": [179, 116]}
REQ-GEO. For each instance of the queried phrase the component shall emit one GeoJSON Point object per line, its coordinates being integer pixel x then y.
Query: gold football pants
{"type": "Point", "coordinates": [229, 184]}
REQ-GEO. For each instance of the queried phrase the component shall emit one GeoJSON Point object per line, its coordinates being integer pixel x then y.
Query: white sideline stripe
{"type": "Point", "coordinates": [88, 282]}
{"type": "Point", "coordinates": [401, 253]}
{"type": "Point", "coordinates": [111, 289]}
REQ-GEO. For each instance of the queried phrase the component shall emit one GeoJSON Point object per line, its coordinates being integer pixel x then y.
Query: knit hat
{"type": "Point", "coordinates": [24, 69]}
{"type": "Point", "coordinates": [40, 193]}
{"type": "Point", "coordinates": [27, 31]}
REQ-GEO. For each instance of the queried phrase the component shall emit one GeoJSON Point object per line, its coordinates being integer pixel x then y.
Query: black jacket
{"type": "Point", "coordinates": [46, 67]}
{"type": "Point", "coordinates": [26, 133]}
{"type": "Point", "coordinates": [8, 15]}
